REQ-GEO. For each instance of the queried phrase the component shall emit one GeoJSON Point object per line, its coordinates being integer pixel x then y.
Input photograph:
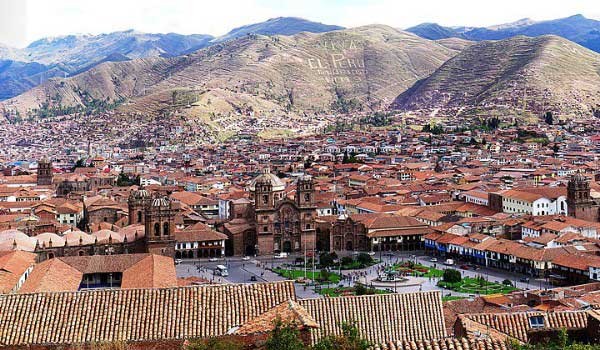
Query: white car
{"type": "Point", "coordinates": [178, 261]}
{"type": "Point", "coordinates": [371, 253]}
{"type": "Point", "coordinates": [246, 258]}
{"type": "Point", "coordinates": [213, 259]}
{"type": "Point", "coordinates": [433, 260]}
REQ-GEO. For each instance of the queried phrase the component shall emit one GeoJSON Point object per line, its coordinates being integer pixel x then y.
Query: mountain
{"type": "Point", "coordinates": [73, 54]}
{"type": "Point", "coordinates": [275, 78]}
{"type": "Point", "coordinates": [579, 29]}
{"type": "Point", "coordinates": [546, 73]}
{"type": "Point", "coordinates": [46, 58]}
{"type": "Point", "coordinates": [434, 31]}
{"type": "Point", "coordinates": [279, 26]}
{"type": "Point", "coordinates": [81, 50]}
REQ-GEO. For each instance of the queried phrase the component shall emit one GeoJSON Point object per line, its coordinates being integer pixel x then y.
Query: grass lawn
{"type": "Point", "coordinates": [450, 298]}
{"type": "Point", "coordinates": [296, 274]}
{"type": "Point", "coordinates": [471, 285]}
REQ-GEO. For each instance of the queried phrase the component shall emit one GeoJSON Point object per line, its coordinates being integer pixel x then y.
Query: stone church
{"type": "Point", "coordinates": [269, 221]}
{"type": "Point", "coordinates": [580, 203]}
{"type": "Point", "coordinates": [151, 229]}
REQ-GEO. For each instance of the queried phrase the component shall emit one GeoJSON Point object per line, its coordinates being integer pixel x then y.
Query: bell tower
{"type": "Point", "coordinates": [44, 172]}
{"type": "Point", "coordinates": [264, 197]}
{"type": "Point", "coordinates": [137, 203]}
{"type": "Point", "coordinates": [579, 200]}
{"type": "Point", "coordinates": [159, 223]}
{"type": "Point", "coordinates": [305, 192]}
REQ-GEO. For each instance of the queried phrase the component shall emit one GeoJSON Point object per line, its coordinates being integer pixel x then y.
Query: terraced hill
{"type": "Point", "coordinates": [540, 74]}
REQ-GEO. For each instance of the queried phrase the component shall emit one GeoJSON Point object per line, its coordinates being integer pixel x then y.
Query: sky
{"type": "Point", "coordinates": [23, 21]}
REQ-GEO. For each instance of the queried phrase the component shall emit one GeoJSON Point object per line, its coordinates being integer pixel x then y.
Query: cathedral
{"type": "Point", "coordinates": [151, 229]}
{"type": "Point", "coordinates": [580, 203]}
{"type": "Point", "coordinates": [270, 222]}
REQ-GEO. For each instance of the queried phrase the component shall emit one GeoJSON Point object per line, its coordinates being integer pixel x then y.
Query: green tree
{"type": "Point", "coordinates": [347, 260]}
{"type": "Point", "coordinates": [215, 344]}
{"type": "Point", "coordinates": [349, 340]}
{"type": "Point", "coordinates": [364, 259]}
{"type": "Point", "coordinates": [549, 118]}
{"type": "Point", "coordinates": [284, 337]}
{"type": "Point", "coordinates": [451, 276]}
{"type": "Point", "coordinates": [326, 260]}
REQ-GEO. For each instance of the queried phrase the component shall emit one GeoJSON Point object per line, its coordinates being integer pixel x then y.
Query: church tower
{"type": "Point", "coordinates": [137, 203]}
{"type": "Point", "coordinates": [159, 223]}
{"type": "Point", "coordinates": [305, 192]}
{"type": "Point", "coordinates": [44, 172]}
{"type": "Point", "coordinates": [264, 197]}
{"type": "Point", "coordinates": [579, 200]}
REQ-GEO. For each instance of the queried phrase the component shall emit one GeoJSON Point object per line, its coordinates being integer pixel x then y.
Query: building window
{"type": "Point", "coordinates": [166, 229]}
{"type": "Point", "coordinates": [157, 229]}
{"type": "Point", "coordinates": [536, 321]}
{"type": "Point", "coordinates": [265, 199]}
{"type": "Point", "coordinates": [139, 216]}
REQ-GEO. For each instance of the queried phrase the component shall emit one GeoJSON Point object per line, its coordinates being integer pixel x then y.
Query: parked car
{"type": "Point", "coordinates": [246, 258]}
{"type": "Point", "coordinates": [524, 279]}
{"type": "Point", "coordinates": [213, 259]}
{"type": "Point", "coordinates": [449, 262]}
{"type": "Point", "coordinates": [371, 253]}
{"type": "Point", "coordinates": [281, 256]}
{"type": "Point", "coordinates": [433, 260]}
{"type": "Point", "coordinates": [178, 261]}
{"type": "Point", "coordinates": [253, 278]}
{"type": "Point", "coordinates": [464, 267]}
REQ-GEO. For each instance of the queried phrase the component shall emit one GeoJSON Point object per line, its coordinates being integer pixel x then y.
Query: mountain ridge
{"type": "Point", "coordinates": [518, 74]}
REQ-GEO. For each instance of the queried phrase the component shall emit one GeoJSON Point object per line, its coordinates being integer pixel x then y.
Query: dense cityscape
{"type": "Point", "coordinates": [370, 225]}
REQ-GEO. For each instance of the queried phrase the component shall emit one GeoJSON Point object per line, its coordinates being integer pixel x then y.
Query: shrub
{"type": "Point", "coordinates": [346, 261]}
{"type": "Point", "coordinates": [326, 259]}
{"type": "Point", "coordinates": [452, 276]}
{"type": "Point", "coordinates": [364, 259]}
{"type": "Point", "coordinates": [507, 283]}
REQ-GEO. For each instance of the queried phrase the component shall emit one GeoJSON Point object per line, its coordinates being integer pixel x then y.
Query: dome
{"type": "Point", "coordinates": [77, 237]}
{"type": "Point", "coordinates": [267, 177]}
{"type": "Point", "coordinates": [160, 202]}
{"type": "Point", "coordinates": [139, 194]}
{"type": "Point", "coordinates": [105, 236]}
{"type": "Point", "coordinates": [8, 238]}
{"type": "Point", "coordinates": [46, 237]}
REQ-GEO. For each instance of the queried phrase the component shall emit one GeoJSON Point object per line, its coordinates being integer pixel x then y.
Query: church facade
{"type": "Point", "coordinates": [580, 203]}
{"type": "Point", "coordinates": [272, 223]}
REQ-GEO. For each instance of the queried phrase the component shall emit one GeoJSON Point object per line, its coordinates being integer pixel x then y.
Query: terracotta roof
{"type": "Point", "coordinates": [380, 318]}
{"type": "Point", "coordinates": [135, 314]}
{"type": "Point", "coordinates": [153, 271]}
{"type": "Point", "coordinates": [516, 324]}
{"type": "Point", "coordinates": [289, 312]}
{"type": "Point", "coordinates": [12, 266]}
{"type": "Point", "coordinates": [445, 344]}
{"type": "Point", "coordinates": [52, 275]}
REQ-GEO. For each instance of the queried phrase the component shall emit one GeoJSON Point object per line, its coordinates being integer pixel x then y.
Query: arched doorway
{"type": "Point", "coordinates": [250, 250]}
{"type": "Point", "coordinates": [287, 246]}
{"type": "Point", "coordinates": [349, 245]}
{"type": "Point", "coordinates": [177, 255]}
